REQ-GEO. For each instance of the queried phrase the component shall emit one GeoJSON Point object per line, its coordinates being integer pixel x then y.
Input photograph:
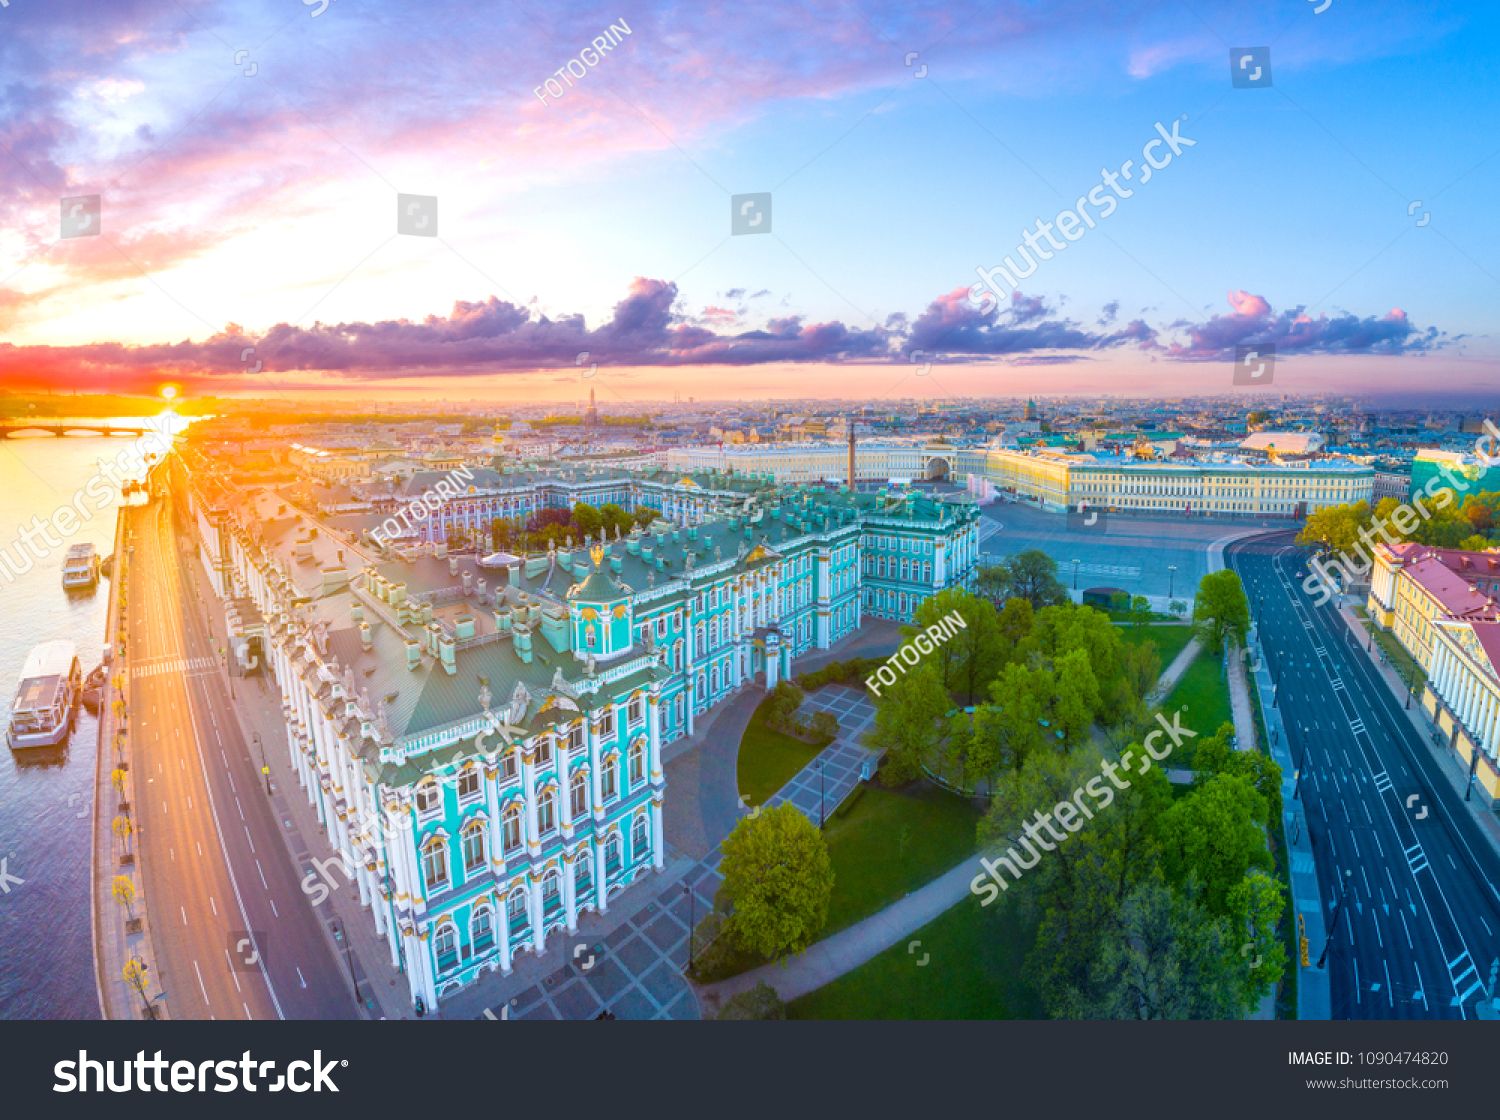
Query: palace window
{"type": "Point", "coordinates": [482, 929]}
{"type": "Point", "coordinates": [517, 911]}
{"type": "Point", "coordinates": [468, 784]}
{"type": "Point", "coordinates": [637, 763]}
{"type": "Point", "coordinates": [544, 751]}
{"type": "Point", "coordinates": [445, 945]}
{"type": "Point", "coordinates": [435, 863]}
{"type": "Point", "coordinates": [637, 710]}
{"type": "Point", "coordinates": [428, 799]}
{"type": "Point", "coordinates": [583, 871]}
{"type": "Point", "coordinates": [510, 829]}
{"type": "Point", "coordinates": [578, 791]}
{"type": "Point", "coordinates": [546, 812]}
{"type": "Point", "coordinates": [640, 838]}
{"type": "Point", "coordinates": [607, 723]}
{"type": "Point", "coordinates": [575, 738]}
{"type": "Point", "coordinates": [612, 854]}
{"type": "Point", "coordinates": [508, 766]}
{"type": "Point", "coordinates": [473, 846]}
{"type": "Point", "coordinates": [608, 781]}
{"type": "Point", "coordinates": [551, 893]}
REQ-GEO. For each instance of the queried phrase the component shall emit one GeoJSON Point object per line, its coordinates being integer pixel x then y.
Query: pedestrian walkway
{"type": "Point", "coordinates": [1168, 679]}
{"type": "Point", "coordinates": [1313, 997]}
{"type": "Point", "coordinates": [821, 786]}
{"type": "Point", "coordinates": [1245, 738]}
{"type": "Point", "coordinates": [180, 665]}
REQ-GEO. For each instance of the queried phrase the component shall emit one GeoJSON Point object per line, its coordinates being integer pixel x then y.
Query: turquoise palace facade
{"type": "Point", "coordinates": [481, 736]}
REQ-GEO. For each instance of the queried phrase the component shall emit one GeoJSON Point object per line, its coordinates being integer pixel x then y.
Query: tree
{"type": "Point", "coordinates": [909, 723]}
{"type": "Point", "coordinates": [117, 776]}
{"type": "Point", "coordinates": [1169, 959]}
{"type": "Point", "coordinates": [124, 891]}
{"type": "Point", "coordinates": [587, 519]}
{"type": "Point", "coordinates": [1142, 667]}
{"type": "Point", "coordinates": [778, 878]}
{"type": "Point", "coordinates": [970, 658]}
{"type": "Point", "coordinates": [1221, 610]}
{"type": "Point", "coordinates": [1255, 907]}
{"type": "Point", "coordinates": [122, 828]}
{"type": "Point", "coordinates": [134, 974]}
{"type": "Point", "coordinates": [1076, 695]}
{"type": "Point", "coordinates": [1033, 577]}
{"type": "Point", "coordinates": [782, 705]}
{"type": "Point", "coordinates": [1215, 833]}
{"type": "Point", "coordinates": [1140, 611]}
{"type": "Point", "coordinates": [760, 1002]}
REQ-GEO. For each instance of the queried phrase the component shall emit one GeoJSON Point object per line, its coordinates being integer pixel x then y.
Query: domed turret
{"type": "Point", "coordinates": [599, 612]}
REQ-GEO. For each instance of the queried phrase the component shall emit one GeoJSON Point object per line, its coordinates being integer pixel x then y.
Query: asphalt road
{"type": "Point", "coordinates": [234, 934]}
{"type": "Point", "coordinates": [1415, 934]}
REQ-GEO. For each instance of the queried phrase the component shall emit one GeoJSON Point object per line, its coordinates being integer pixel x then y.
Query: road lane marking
{"type": "Point", "coordinates": [213, 905]}
{"type": "Point", "coordinates": [201, 986]}
{"type": "Point", "coordinates": [183, 911]}
{"type": "Point", "coordinates": [262, 875]}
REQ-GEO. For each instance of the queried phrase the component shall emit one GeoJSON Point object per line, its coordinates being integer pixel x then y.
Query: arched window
{"type": "Point", "coordinates": [516, 910]}
{"type": "Point", "coordinates": [546, 811]}
{"type": "Point", "coordinates": [544, 751]}
{"type": "Point", "coordinates": [551, 892]}
{"type": "Point", "coordinates": [473, 846]}
{"type": "Point", "coordinates": [612, 853]}
{"type": "Point", "coordinates": [578, 790]}
{"type": "Point", "coordinates": [637, 763]}
{"type": "Point", "coordinates": [640, 837]}
{"type": "Point", "coordinates": [435, 863]}
{"type": "Point", "coordinates": [609, 783]}
{"type": "Point", "coordinates": [510, 832]}
{"type": "Point", "coordinates": [428, 798]}
{"type": "Point", "coordinates": [445, 945]}
{"type": "Point", "coordinates": [482, 929]}
{"type": "Point", "coordinates": [713, 679]}
{"type": "Point", "coordinates": [583, 871]}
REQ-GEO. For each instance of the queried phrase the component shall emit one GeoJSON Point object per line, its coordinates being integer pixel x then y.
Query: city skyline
{"type": "Point", "coordinates": [584, 239]}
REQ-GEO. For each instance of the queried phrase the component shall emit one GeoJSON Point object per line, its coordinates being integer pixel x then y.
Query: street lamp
{"type": "Point", "coordinates": [1171, 576]}
{"type": "Point", "coordinates": [822, 817]}
{"type": "Point", "coordinates": [692, 921]}
{"type": "Point", "coordinates": [1337, 910]}
{"type": "Point", "coordinates": [1075, 574]}
{"type": "Point", "coordinates": [338, 933]}
{"type": "Point", "coordinates": [265, 771]}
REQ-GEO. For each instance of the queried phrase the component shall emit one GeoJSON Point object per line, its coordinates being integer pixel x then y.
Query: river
{"type": "Point", "coordinates": [46, 796]}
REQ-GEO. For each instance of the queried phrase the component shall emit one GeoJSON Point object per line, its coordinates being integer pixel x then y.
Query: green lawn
{"type": "Point", "coordinates": [888, 843]}
{"type": "Point", "coordinates": [1168, 640]}
{"type": "Point", "coordinates": [891, 842]}
{"type": "Point", "coordinates": [1202, 693]}
{"type": "Point", "coordinates": [768, 759]}
{"type": "Point", "coordinates": [975, 969]}
{"type": "Point", "coordinates": [1403, 662]}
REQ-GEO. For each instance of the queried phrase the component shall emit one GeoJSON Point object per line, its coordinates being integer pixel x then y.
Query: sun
{"type": "Point", "coordinates": [169, 392]}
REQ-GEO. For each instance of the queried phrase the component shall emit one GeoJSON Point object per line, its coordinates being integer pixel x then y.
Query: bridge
{"type": "Point", "coordinates": [9, 428]}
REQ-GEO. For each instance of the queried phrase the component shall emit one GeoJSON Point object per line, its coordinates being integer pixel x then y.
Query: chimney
{"type": "Point", "coordinates": [365, 641]}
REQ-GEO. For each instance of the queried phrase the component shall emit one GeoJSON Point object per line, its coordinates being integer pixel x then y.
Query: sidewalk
{"type": "Point", "coordinates": [1168, 679]}
{"type": "Point", "coordinates": [113, 946]}
{"type": "Point", "coordinates": [1313, 999]}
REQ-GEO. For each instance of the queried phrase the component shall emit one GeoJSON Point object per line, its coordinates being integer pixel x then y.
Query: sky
{"type": "Point", "coordinates": [248, 156]}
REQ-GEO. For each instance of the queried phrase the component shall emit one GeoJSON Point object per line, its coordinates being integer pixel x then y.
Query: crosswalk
{"type": "Point", "coordinates": [172, 665]}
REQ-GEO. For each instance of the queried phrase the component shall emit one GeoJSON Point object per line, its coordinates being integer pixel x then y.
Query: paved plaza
{"type": "Point", "coordinates": [1128, 551]}
{"type": "Point", "coordinates": [634, 970]}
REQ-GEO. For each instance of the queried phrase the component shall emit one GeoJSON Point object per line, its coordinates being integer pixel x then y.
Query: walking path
{"type": "Point", "coordinates": [1168, 679]}
{"type": "Point", "coordinates": [1313, 999]}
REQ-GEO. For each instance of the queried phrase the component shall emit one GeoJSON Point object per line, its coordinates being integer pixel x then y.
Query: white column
{"type": "Point", "coordinates": [528, 789]}
{"type": "Point", "coordinates": [570, 895]}
{"type": "Point", "coordinates": [534, 901]}
{"type": "Point", "coordinates": [658, 845]}
{"type": "Point", "coordinates": [596, 774]}
{"type": "Point", "coordinates": [502, 921]}
{"type": "Point", "coordinates": [600, 887]}
{"type": "Point", "coordinates": [653, 739]}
